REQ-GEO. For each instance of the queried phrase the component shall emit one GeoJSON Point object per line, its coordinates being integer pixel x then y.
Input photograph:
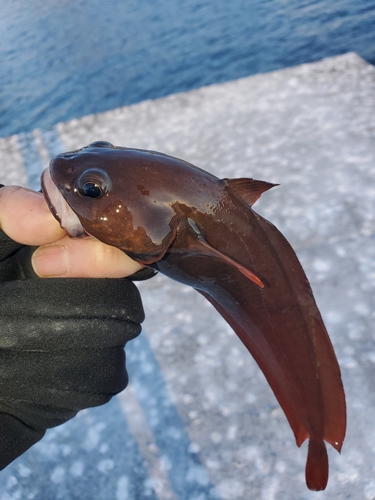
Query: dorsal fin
{"type": "Point", "coordinates": [249, 190]}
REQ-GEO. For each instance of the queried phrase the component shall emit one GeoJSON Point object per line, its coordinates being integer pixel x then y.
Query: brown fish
{"type": "Point", "coordinates": [200, 230]}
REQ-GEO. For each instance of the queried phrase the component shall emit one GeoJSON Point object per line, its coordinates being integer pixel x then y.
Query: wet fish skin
{"type": "Point", "coordinates": [201, 231]}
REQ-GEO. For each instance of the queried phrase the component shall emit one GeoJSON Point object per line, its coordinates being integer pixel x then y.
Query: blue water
{"type": "Point", "coordinates": [61, 59]}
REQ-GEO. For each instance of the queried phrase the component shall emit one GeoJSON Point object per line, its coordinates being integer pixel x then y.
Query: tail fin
{"type": "Point", "coordinates": [317, 465]}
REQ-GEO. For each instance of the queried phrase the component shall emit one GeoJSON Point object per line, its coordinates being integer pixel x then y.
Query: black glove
{"type": "Point", "coordinates": [61, 346]}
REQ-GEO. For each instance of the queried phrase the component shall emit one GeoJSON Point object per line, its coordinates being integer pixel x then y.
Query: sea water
{"type": "Point", "coordinates": [61, 59]}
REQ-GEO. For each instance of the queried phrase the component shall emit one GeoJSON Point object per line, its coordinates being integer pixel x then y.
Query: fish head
{"type": "Point", "coordinates": [104, 191]}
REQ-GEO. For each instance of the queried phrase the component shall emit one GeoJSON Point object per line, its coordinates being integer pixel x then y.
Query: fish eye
{"type": "Point", "coordinates": [91, 190]}
{"type": "Point", "coordinates": [93, 183]}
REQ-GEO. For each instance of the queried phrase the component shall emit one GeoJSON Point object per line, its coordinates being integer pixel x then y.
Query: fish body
{"type": "Point", "coordinates": [201, 231]}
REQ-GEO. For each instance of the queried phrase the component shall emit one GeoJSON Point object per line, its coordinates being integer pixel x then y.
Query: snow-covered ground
{"type": "Point", "coordinates": [198, 420]}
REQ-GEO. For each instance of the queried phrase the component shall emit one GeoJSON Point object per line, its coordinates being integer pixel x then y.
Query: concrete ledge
{"type": "Point", "coordinates": [311, 128]}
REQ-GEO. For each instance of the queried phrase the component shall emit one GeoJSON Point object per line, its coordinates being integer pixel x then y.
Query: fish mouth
{"type": "Point", "coordinates": [62, 212]}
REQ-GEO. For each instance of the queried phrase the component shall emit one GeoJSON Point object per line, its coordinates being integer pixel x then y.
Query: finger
{"type": "Point", "coordinates": [80, 258]}
{"type": "Point", "coordinates": [25, 217]}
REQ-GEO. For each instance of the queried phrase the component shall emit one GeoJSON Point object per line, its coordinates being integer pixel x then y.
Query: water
{"type": "Point", "coordinates": [61, 59]}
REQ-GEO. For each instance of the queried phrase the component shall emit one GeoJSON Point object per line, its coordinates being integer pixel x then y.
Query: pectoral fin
{"type": "Point", "coordinates": [203, 247]}
{"type": "Point", "coordinates": [210, 251]}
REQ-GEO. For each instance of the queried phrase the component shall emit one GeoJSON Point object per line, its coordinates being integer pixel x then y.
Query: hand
{"type": "Point", "coordinates": [25, 217]}
{"type": "Point", "coordinates": [61, 340]}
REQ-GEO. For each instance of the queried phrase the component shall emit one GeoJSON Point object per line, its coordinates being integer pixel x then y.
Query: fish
{"type": "Point", "coordinates": [180, 220]}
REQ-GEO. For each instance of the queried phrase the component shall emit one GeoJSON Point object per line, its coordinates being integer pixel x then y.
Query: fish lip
{"type": "Point", "coordinates": [47, 197]}
{"type": "Point", "coordinates": [59, 208]}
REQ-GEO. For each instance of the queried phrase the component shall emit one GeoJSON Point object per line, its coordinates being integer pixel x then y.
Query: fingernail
{"type": "Point", "coordinates": [50, 261]}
